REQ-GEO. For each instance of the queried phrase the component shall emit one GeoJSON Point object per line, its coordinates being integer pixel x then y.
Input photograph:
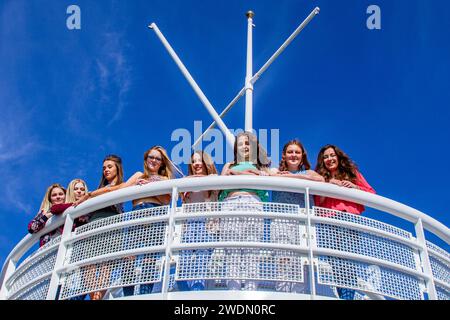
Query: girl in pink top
{"type": "Point", "coordinates": [336, 167]}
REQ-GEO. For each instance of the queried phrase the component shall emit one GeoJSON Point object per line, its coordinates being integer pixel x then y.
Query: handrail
{"type": "Point", "coordinates": [234, 182]}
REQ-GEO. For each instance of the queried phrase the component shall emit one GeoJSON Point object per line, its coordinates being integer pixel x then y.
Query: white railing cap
{"type": "Point", "coordinates": [235, 182]}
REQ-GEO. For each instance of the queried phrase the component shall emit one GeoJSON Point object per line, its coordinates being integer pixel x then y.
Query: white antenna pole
{"type": "Point", "coordinates": [249, 74]}
{"type": "Point", "coordinates": [221, 115]}
{"type": "Point", "coordinates": [228, 135]}
{"type": "Point", "coordinates": [285, 44]}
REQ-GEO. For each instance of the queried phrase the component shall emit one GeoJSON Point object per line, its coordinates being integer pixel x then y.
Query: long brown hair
{"type": "Point", "coordinates": [346, 170]}
{"type": "Point", "coordinates": [304, 165]}
{"type": "Point", "coordinates": [165, 169]}
{"type": "Point", "coordinates": [260, 160]}
{"type": "Point", "coordinates": [207, 162]}
{"type": "Point", "coordinates": [118, 162]}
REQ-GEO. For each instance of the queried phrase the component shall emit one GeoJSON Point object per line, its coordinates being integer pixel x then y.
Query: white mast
{"type": "Point", "coordinates": [250, 79]}
{"type": "Point", "coordinates": [249, 74]}
{"type": "Point", "coordinates": [258, 75]}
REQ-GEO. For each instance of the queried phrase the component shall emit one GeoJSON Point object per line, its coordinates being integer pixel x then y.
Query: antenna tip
{"type": "Point", "coordinates": [250, 14]}
{"type": "Point", "coordinates": [317, 10]}
{"type": "Point", "coordinates": [150, 26]}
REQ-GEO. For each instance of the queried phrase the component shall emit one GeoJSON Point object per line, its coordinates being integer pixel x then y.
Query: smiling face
{"type": "Point", "coordinates": [198, 166]}
{"type": "Point", "coordinates": [57, 196]}
{"type": "Point", "coordinates": [79, 190]}
{"type": "Point", "coordinates": [293, 157]}
{"type": "Point", "coordinates": [109, 170]}
{"type": "Point", "coordinates": [154, 161]}
{"type": "Point", "coordinates": [331, 160]}
{"type": "Point", "coordinates": [243, 148]}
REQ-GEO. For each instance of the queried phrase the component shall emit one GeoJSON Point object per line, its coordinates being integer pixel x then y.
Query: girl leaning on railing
{"type": "Point", "coordinates": [336, 167]}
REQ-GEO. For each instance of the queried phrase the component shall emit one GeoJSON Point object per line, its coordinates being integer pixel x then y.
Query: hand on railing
{"type": "Point", "coordinates": [141, 182]}
{"type": "Point", "coordinates": [82, 199]}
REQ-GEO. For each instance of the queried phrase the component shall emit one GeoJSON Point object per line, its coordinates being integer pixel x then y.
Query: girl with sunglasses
{"type": "Point", "coordinates": [157, 167]}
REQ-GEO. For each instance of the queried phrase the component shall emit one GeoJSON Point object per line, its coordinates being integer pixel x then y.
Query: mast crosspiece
{"type": "Point", "coordinates": [250, 79]}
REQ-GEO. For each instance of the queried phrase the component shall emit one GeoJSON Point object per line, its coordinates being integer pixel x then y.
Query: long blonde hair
{"type": "Point", "coordinates": [46, 203]}
{"type": "Point", "coordinates": [70, 194]}
{"type": "Point", "coordinates": [165, 169]}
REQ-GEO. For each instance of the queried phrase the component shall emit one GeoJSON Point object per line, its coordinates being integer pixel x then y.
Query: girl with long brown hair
{"type": "Point", "coordinates": [336, 167]}
{"type": "Point", "coordinates": [249, 159]}
{"type": "Point", "coordinates": [294, 164]}
{"type": "Point", "coordinates": [112, 179]}
{"type": "Point", "coordinates": [200, 165]}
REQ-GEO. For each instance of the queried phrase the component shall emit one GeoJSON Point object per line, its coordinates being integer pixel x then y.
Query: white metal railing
{"type": "Point", "coordinates": [279, 248]}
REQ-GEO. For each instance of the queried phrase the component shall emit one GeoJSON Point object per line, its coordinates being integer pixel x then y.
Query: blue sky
{"type": "Point", "coordinates": [69, 97]}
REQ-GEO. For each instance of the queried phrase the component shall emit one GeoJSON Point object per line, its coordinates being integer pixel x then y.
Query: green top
{"type": "Point", "coordinates": [241, 166]}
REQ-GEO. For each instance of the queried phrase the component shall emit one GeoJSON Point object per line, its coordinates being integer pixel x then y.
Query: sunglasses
{"type": "Point", "coordinates": [158, 159]}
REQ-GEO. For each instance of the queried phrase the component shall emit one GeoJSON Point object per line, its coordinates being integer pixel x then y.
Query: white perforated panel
{"type": "Point", "coordinates": [441, 269]}
{"type": "Point", "coordinates": [242, 229]}
{"type": "Point", "coordinates": [358, 219]}
{"type": "Point", "coordinates": [36, 292]}
{"type": "Point", "coordinates": [348, 240]}
{"type": "Point", "coordinates": [356, 275]}
{"type": "Point", "coordinates": [442, 293]}
{"type": "Point", "coordinates": [243, 264]}
{"type": "Point", "coordinates": [132, 215]}
{"type": "Point", "coordinates": [32, 269]}
{"type": "Point", "coordinates": [127, 238]}
{"type": "Point", "coordinates": [114, 273]}
{"type": "Point", "coordinates": [438, 250]}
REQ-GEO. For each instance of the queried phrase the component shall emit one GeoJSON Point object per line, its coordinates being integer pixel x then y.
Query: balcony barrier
{"type": "Point", "coordinates": [258, 250]}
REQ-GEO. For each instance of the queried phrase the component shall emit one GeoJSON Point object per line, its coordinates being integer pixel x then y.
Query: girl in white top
{"type": "Point", "coordinates": [201, 165]}
{"type": "Point", "coordinates": [198, 230]}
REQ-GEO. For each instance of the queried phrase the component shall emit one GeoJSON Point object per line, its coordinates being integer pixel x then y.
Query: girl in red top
{"type": "Point", "coordinates": [54, 195]}
{"type": "Point", "coordinates": [336, 167]}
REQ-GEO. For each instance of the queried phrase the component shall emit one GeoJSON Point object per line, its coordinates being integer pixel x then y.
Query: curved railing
{"type": "Point", "coordinates": [264, 250]}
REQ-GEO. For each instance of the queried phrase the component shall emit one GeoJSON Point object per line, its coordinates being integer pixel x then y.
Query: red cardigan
{"type": "Point", "coordinates": [39, 221]}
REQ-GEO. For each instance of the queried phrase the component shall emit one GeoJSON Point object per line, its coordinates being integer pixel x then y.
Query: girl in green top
{"type": "Point", "coordinates": [249, 159]}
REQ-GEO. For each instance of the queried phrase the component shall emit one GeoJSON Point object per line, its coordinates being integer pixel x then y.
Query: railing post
{"type": "Point", "coordinates": [426, 265]}
{"type": "Point", "coordinates": [10, 268]}
{"type": "Point", "coordinates": [312, 278]}
{"type": "Point", "coordinates": [171, 226]}
{"type": "Point", "coordinates": [60, 259]}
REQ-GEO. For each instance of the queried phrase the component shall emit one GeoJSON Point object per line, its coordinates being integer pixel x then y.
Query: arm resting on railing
{"type": "Point", "coordinates": [38, 223]}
